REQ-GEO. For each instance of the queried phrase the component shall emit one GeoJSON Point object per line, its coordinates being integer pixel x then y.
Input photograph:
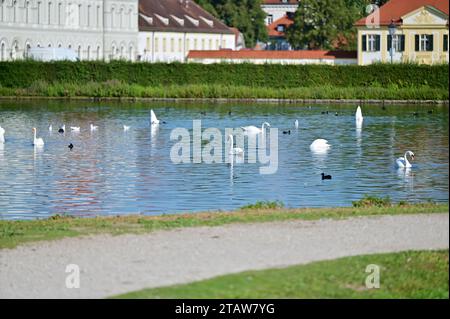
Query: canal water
{"type": "Point", "coordinates": [112, 171]}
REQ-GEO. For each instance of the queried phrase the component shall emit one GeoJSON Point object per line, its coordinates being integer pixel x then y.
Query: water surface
{"type": "Point", "coordinates": [110, 171]}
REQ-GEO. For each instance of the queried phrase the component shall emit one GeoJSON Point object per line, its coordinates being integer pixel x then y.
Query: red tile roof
{"type": "Point", "coordinates": [177, 16]}
{"type": "Point", "coordinates": [272, 28]}
{"type": "Point", "coordinates": [395, 9]}
{"type": "Point", "coordinates": [271, 55]}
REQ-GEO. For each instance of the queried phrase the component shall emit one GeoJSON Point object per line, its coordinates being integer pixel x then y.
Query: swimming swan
{"type": "Point", "coordinates": [2, 135]}
{"type": "Point", "coordinates": [402, 162]}
{"type": "Point", "coordinates": [153, 119]}
{"type": "Point", "coordinates": [254, 130]}
{"type": "Point", "coordinates": [93, 127]}
{"type": "Point", "coordinates": [319, 145]}
{"type": "Point", "coordinates": [37, 141]}
{"type": "Point", "coordinates": [358, 117]}
{"type": "Point", "coordinates": [234, 150]}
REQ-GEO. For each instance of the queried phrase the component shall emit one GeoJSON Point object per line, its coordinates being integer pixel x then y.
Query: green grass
{"type": "Point", "coordinates": [412, 274]}
{"type": "Point", "coordinates": [13, 233]}
{"type": "Point", "coordinates": [115, 88]}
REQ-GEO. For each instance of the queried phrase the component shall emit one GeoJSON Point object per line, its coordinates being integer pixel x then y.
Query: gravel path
{"type": "Point", "coordinates": [112, 265]}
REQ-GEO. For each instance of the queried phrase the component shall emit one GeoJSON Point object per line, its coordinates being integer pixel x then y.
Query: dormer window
{"type": "Point", "coordinates": [147, 19]}
{"type": "Point", "coordinates": [178, 20]}
{"type": "Point", "coordinates": [207, 21]}
{"type": "Point", "coordinates": [162, 19]}
{"type": "Point", "coordinates": [281, 28]}
{"type": "Point", "coordinates": [192, 20]}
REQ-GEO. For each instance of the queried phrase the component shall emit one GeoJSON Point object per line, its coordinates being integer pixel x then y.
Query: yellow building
{"type": "Point", "coordinates": [419, 28]}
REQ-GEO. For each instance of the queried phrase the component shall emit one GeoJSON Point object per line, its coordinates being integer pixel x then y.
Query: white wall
{"type": "Point", "coordinates": [161, 46]}
{"type": "Point", "coordinates": [278, 10]}
{"type": "Point", "coordinates": [277, 61]}
{"type": "Point", "coordinates": [75, 24]}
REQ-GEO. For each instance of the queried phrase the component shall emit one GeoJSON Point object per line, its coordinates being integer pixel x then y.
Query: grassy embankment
{"type": "Point", "coordinates": [13, 233]}
{"type": "Point", "coordinates": [245, 81]}
{"type": "Point", "coordinates": [412, 274]}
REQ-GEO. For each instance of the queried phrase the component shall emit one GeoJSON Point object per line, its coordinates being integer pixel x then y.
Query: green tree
{"type": "Point", "coordinates": [245, 15]}
{"type": "Point", "coordinates": [326, 24]}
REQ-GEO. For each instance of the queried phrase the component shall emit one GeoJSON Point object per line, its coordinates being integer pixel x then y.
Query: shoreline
{"type": "Point", "coordinates": [15, 233]}
{"type": "Point", "coordinates": [226, 100]}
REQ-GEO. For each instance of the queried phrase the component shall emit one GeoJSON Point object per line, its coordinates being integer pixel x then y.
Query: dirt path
{"type": "Point", "coordinates": [112, 265]}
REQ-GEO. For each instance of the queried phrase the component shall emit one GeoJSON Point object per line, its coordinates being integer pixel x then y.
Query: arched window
{"type": "Point", "coordinates": [122, 52]}
{"type": "Point", "coordinates": [49, 45]}
{"type": "Point", "coordinates": [113, 52]}
{"type": "Point", "coordinates": [14, 50]}
{"type": "Point", "coordinates": [131, 57]}
{"type": "Point", "coordinates": [39, 13]}
{"type": "Point", "coordinates": [88, 53]}
{"type": "Point", "coordinates": [27, 50]}
{"type": "Point", "coordinates": [2, 51]}
{"type": "Point", "coordinates": [49, 13]}
{"type": "Point", "coordinates": [98, 53]}
{"type": "Point", "coordinates": [79, 52]}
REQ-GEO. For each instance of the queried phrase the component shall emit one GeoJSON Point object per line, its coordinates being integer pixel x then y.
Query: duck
{"type": "Point", "coordinates": [70, 146]}
{"type": "Point", "coordinates": [62, 129]}
{"type": "Point", "coordinates": [37, 141]}
{"type": "Point", "coordinates": [326, 176]}
{"type": "Point", "coordinates": [287, 132]}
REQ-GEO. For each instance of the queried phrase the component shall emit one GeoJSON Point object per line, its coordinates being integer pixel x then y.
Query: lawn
{"type": "Point", "coordinates": [412, 274]}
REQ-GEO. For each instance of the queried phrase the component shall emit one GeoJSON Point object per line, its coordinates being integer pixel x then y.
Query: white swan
{"type": "Point", "coordinates": [2, 135]}
{"type": "Point", "coordinates": [93, 127]}
{"type": "Point", "coordinates": [50, 128]}
{"type": "Point", "coordinates": [126, 128]}
{"type": "Point", "coordinates": [153, 119]}
{"type": "Point", "coordinates": [75, 128]}
{"type": "Point", "coordinates": [402, 162]}
{"type": "Point", "coordinates": [296, 123]}
{"type": "Point", "coordinates": [234, 150]}
{"type": "Point", "coordinates": [254, 130]}
{"type": "Point", "coordinates": [358, 117]}
{"type": "Point", "coordinates": [319, 145]}
{"type": "Point", "coordinates": [37, 141]}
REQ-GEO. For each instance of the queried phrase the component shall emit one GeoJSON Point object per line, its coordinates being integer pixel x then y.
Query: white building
{"type": "Point", "coordinates": [95, 29]}
{"type": "Point", "coordinates": [169, 29]}
{"type": "Point", "coordinates": [276, 9]}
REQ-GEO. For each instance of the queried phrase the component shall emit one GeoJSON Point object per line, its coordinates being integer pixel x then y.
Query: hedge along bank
{"type": "Point", "coordinates": [22, 74]}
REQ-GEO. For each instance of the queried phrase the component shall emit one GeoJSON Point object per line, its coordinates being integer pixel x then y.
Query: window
{"type": "Point", "coordinates": [60, 13]}
{"type": "Point", "coordinates": [49, 13]}
{"type": "Point", "coordinates": [172, 45]}
{"type": "Point", "coordinates": [89, 16]}
{"type": "Point", "coordinates": [424, 42]}
{"type": "Point", "coordinates": [281, 27]}
{"type": "Point", "coordinates": [27, 11]}
{"type": "Point", "coordinates": [217, 44]}
{"type": "Point", "coordinates": [79, 16]}
{"type": "Point", "coordinates": [203, 44]}
{"type": "Point", "coordinates": [180, 45]}
{"type": "Point", "coordinates": [156, 44]}
{"type": "Point", "coordinates": [445, 42]}
{"type": "Point", "coordinates": [39, 12]}
{"type": "Point", "coordinates": [371, 42]}
{"type": "Point", "coordinates": [188, 42]}
{"type": "Point", "coordinates": [164, 45]}
{"type": "Point", "coordinates": [210, 44]}
{"type": "Point", "coordinates": [398, 42]}
{"type": "Point", "coordinates": [147, 44]}
{"type": "Point", "coordinates": [98, 16]}
{"type": "Point", "coordinates": [270, 19]}
{"type": "Point", "coordinates": [195, 44]}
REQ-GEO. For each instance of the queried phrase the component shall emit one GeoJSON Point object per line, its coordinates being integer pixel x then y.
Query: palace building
{"type": "Point", "coordinates": [94, 29]}
{"type": "Point", "coordinates": [419, 33]}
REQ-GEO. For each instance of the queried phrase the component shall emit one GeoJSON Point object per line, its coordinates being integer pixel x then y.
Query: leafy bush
{"type": "Point", "coordinates": [370, 201]}
{"type": "Point", "coordinates": [22, 74]}
{"type": "Point", "coordinates": [264, 205]}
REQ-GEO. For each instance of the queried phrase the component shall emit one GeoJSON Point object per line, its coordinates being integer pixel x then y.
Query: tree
{"type": "Point", "coordinates": [326, 24]}
{"type": "Point", "coordinates": [245, 15]}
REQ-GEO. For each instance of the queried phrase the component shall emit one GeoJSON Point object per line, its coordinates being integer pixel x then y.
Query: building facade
{"type": "Point", "coordinates": [421, 33]}
{"type": "Point", "coordinates": [276, 9]}
{"type": "Point", "coordinates": [94, 29]}
{"type": "Point", "coordinates": [277, 33]}
{"type": "Point", "coordinates": [168, 32]}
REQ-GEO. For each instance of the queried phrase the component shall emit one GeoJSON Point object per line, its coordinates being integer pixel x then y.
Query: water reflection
{"type": "Point", "coordinates": [112, 171]}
